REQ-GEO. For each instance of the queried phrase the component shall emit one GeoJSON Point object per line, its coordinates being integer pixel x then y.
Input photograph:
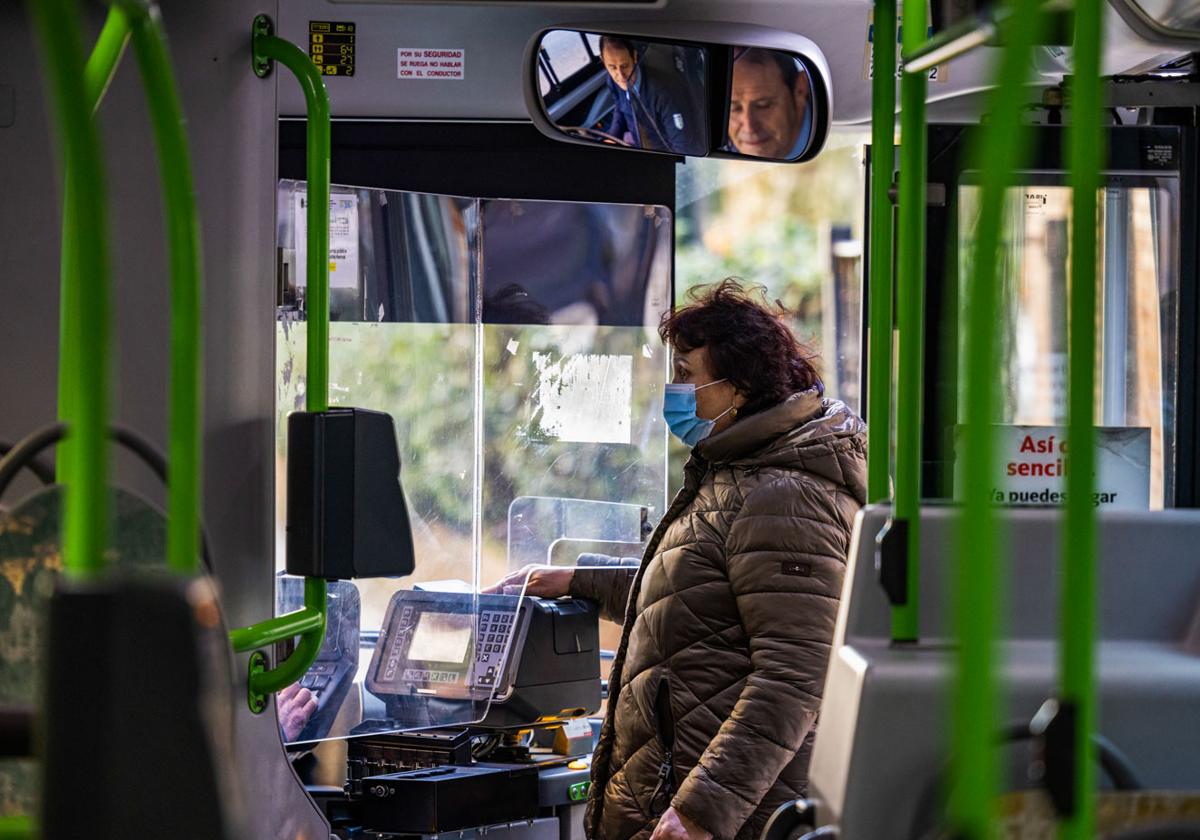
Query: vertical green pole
{"type": "Point", "coordinates": [879, 303]}
{"type": "Point", "coordinates": [910, 314]}
{"type": "Point", "coordinates": [57, 25]}
{"type": "Point", "coordinates": [317, 298]}
{"type": "Point", "coordinates": [97, 75]}
{"type": "Point", "coordinates": [183, 236]}
{"type": "Point", "coordinates": [1078, 607]}
{"type": "Point", "coordinates": [1000, 147]}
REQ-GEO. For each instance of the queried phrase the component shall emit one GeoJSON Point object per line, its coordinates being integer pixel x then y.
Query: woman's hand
{"type": "Point", "coordinates": [543, 582]}
{"type": "Point", "coordinates": [673, 825]}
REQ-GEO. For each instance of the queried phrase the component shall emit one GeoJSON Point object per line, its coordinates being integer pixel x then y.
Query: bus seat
{"type": "Point", "coordinates": [885, 718]}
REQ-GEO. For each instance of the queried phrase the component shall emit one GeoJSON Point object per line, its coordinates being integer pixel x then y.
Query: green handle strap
{"type": "Point", "coordinates": [86, 288]}
{"type": "Point", "coordinates": [879, 304]}
{"type": "Point", "coordinates": [1078, 605]}
{"type": "Point", "coordinates": [309, 622]}
{"type": "Point", "coordinates": [910, 316]}
{"type": "Point", "coordinates": [183, 237]}
{"type": "Point", "coordinates": [998, 150]}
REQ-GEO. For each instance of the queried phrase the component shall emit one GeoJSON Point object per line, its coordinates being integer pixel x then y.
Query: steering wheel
{"type": "Point", "coordinates": [594, 134]}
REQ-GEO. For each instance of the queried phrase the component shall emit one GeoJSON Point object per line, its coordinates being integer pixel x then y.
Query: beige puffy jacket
{"type": "Point", "coordinates": [727, 626]}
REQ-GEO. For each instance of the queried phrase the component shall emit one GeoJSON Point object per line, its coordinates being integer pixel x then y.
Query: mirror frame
{"type": "Point", "coordinates": [716, 38]}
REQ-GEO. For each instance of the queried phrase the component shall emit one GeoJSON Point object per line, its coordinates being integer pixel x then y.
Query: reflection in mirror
{"type": "Point", "coordinates": [771, 106]}
{"type": "Point", "coordinates": [625, 92]}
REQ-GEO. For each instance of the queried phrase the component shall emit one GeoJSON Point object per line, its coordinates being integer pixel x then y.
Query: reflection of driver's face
{"type": "Point", "coordinates": [620, 65]}
{"type": "Point", "coordinates": [765, 117]}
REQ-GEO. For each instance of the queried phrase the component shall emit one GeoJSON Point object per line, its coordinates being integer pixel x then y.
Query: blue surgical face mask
{"type": "Point", "coordinates": [679, 410]}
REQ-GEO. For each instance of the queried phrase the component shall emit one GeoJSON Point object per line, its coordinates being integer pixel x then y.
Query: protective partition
{"type": "Point", "coordinates": [514, 343]}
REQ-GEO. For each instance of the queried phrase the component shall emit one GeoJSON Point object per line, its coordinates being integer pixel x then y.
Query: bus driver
{"type": "Point", "coordinates": [649, 110]}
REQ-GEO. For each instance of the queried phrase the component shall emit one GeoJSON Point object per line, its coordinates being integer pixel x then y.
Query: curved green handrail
{"type": "Point", "coordinates": [297, 623]}
{"type": "Point", "coordinates": [999, 149]}
{"type": "Point", "coordinates": [309, 622]}
{"type": "Point", "coordinates": [879, 300]}
{"type": "Point", "coordinates": [910, 316]}
{"type": "Point", "coordinates": [1078, 598]}
{"type": "Point", "coordinates": [312, 617]}
{"type": "Point", "coordinates": [87, 338]}
{"type": "Point", "coordinates": [316, 99]}
{"type": "Point", "coordinates": [184, 444]}
{"type": "Point", "coordinates": [97, 74]}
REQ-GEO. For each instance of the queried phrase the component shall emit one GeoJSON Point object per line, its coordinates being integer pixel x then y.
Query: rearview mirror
{"type": "Point", "coordinates": [767, 98]}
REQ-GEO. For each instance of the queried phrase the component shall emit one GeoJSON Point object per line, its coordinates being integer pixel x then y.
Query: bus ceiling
{"type": "Point", "coordinates": [484, 46]}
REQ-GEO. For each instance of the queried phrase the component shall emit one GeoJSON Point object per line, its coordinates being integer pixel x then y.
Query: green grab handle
{"type": "Point", "coordinates": [309, 622]}
{"type": "Point", "coordinates": [293, 668]}
{"type": "Point", "coordinates": [316, 99]}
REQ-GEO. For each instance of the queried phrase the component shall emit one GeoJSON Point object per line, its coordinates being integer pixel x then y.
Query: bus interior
{"type": "Point", "coordinates": [320, 317]}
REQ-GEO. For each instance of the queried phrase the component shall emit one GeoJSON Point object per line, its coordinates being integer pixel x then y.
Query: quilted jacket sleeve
{"type": "Point", "coordinates": [785, 556]}
{"type": "Point", "coordinates": [607, 584]}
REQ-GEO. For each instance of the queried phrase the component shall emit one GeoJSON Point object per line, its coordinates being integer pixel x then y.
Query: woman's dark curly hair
{"type": "Point", "coordinates": [749, 342]}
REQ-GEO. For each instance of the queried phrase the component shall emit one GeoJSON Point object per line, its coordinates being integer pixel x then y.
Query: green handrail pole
{"type": "Point", "coordinates": [246, 639]}
{"type": "Point", "coordinates": [318, 148]}
{"type": "Point", "coordinates": [879, 303]}
{"type": "Point", "coordinates": [57, 27]}
{"type": "Point", "coordinates": [293, 668]}
{"type": "Point", "coordinates": [910, 314]}
{"type": "Point", "coordinates": [183, 237]}
{"type": "Point", "coordinates": [97, 74]}
{"type": "Point", "coordinates": [314, 614]}
{"type": "Point", "coordinates": [999, 149]}
{"type": "Point", "coordinates": [1078, 609]}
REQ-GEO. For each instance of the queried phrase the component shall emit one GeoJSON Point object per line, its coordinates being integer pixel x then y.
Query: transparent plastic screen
{"type": "Point", "coordinates": [514, 345]}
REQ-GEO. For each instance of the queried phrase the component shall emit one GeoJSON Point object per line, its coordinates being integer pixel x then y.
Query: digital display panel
{"type": "Point", "coordinates": [441, 637]}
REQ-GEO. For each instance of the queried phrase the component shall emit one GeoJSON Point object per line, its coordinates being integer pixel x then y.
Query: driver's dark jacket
{"type": "Point", "coordinates": [656, 113]}
{"type": "Point", "coordinates": [731, 617]}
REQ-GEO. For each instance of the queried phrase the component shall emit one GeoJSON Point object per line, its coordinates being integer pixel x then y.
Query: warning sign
{"type": "Point", "coordinates": [1031, 467]}
{"type": "Point", "coordinates": [430, 63]}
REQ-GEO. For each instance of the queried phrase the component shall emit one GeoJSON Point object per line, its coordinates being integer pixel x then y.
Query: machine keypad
{"type": "Point", "coordinates": [495, 628]}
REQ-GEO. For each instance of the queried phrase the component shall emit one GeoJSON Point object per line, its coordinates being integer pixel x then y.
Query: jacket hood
{"type": "Point", "coordinates": [805, 432]}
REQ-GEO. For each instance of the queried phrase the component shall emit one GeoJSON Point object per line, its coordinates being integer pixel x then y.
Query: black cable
{"type": "Point", "coordinates": [36, 466]}
{"type": "Point", "coordinates": [25, 452]}
{"type": "Point", "coordinates": [1115, 764]}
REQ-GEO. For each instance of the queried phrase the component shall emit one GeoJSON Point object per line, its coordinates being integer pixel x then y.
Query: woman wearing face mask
{"type": "Point", "coordinates": [727, 624]}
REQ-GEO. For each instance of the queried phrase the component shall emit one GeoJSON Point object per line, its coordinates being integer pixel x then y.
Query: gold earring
{"type": "Point", "coordinates": [733, 413]}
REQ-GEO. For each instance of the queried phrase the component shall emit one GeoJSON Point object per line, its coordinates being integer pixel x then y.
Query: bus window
{"type": "Point", "coordinates": [1137, 291]}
